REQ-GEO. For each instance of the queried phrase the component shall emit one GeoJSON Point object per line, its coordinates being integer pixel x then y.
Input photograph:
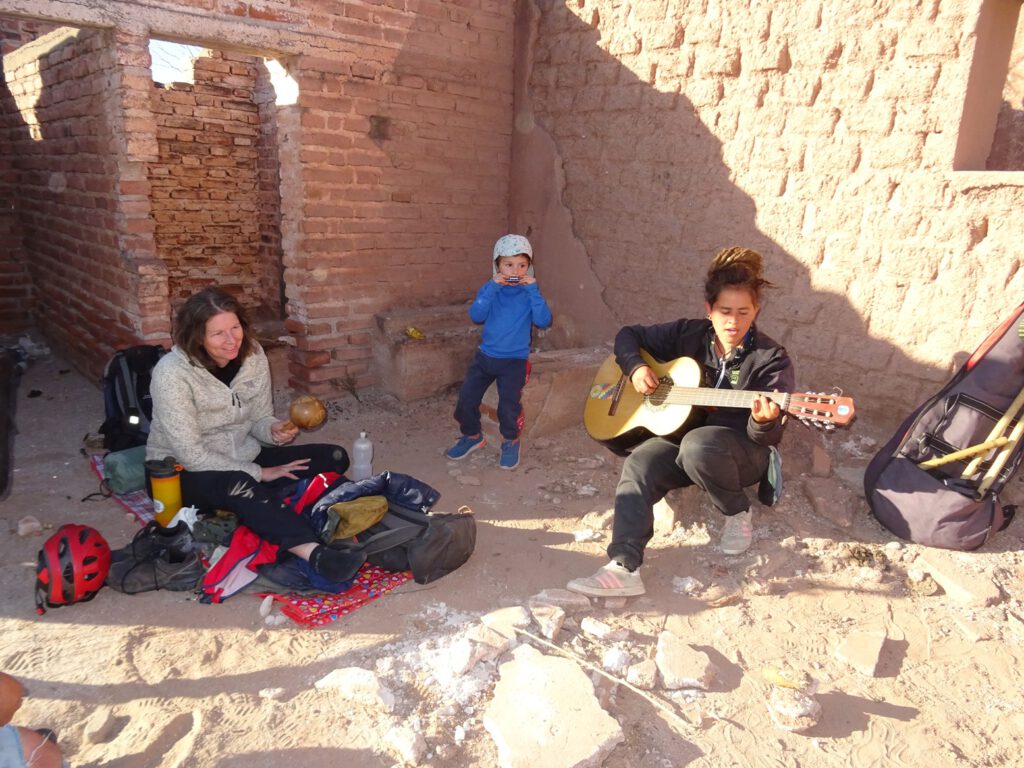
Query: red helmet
{"type": "Point", "coordinates": [73, 565]}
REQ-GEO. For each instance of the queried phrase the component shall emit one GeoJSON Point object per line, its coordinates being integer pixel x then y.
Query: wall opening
{"type": "Point", "coordinates": [216, 184]}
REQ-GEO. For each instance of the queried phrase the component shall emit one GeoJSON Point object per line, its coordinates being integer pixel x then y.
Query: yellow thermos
{"type": "Point", "coordinates": [163, 476]}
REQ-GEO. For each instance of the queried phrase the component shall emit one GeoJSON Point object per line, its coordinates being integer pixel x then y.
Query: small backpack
{"type": "Point", "coordinates": [128, 406]}
{"type": "Point", "coordinates": [937, 480]}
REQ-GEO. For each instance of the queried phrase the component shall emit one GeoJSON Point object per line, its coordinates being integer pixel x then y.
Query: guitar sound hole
{"type": "Point", "coordinates": [658, 397]}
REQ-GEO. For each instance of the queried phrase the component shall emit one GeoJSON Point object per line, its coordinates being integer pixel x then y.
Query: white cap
{"type": "Point", "coordinates": [511, 245]}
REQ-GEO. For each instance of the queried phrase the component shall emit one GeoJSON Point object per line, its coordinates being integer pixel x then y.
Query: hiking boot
{"type": "Point", "coordinates": [465, 446]}
{"type": "Point", "coordinates": [611, 580]}
{"type": "Point", "coordinates": [738, 533]}
{"type": "Point", "coordinates": [134, 576]}
{"type": "Point", "coordinates": [174, 544]}
{"type": "Point", "coordinates": [509, 454]}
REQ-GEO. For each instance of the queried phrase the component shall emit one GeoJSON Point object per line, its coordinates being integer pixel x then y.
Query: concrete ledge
{"type": "Point", "coordinates": [412, 368]}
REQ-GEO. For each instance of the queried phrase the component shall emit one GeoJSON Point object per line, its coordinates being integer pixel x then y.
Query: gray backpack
{"type": "Point", "coordinates": [937, 481]}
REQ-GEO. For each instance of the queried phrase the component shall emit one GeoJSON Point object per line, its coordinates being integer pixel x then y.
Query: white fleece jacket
{"type": "Point", "coordinates": [205, 424]}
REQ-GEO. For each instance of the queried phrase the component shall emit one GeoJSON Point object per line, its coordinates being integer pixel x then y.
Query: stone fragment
{"type": "Point", "coordinates": [406, 744]}
{"type": "Point", "coordinates": [567, 727]}
{"type": "Point", "coordinates": [598, 520]}
{"type": "Point", "coordinates": [972, 629]}
{"type": "Point", "coordinates": [601, 631]}
{"type": "Point", "coordinates": [921, 583]}
{"type": "Point", "coordinates": [468, 480]}
{"type": "Point", "coordinates": [549, 618]}
{"type": "Point", "coordinates": [682, 666]}
{"type": "Point", "coordinates": [686, 585]}
{"type": "Point", "coordinates": [615, 603]}
{"type": "Point", "coordinates": [643, 675]}
{"type": "Point", "coordinates": [792, 709]}
{"type": "Point", "coordinates": [101, 727]}
{"type": "Point", "coordinates": [615, 660]}
{"type": "Point", "coordinates": [29, 526]}
{"type": "Point", "coordinates": [861, 650]}
{"type": "Point", "coordinates": [570, 602]}
{"type": "Point", "coordinates": [585, 535]}
{"type": "Point", "coordinates": [358, 685]}
{"type": "Point", "coordinates": [505, 620]}
{"type": "Point", "coordinates": [962, 586]}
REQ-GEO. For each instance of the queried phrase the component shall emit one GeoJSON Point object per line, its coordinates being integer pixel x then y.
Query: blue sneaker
{"type": "Point", "coordinates": [465, 446]}
{"type": "Point", "coordinates": [509, 454]}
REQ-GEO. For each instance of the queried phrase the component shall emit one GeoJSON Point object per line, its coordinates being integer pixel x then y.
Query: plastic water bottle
{"type": "Point", "coordinates": [362, 457]}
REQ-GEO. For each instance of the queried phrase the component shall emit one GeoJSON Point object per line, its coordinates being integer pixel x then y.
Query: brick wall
{"type": "Point", "coordinates": [208, 197]}
{"type": "Point", "coordinates": [65, 180]}
{"type": "Point", "coordinates": [394, 162]}
{"type": "Point", "coordinates": [16, 313]}
{"type": "Point", "coordinates": [676, 128]}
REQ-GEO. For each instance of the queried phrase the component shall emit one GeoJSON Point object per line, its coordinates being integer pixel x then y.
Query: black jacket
{"type": "Point", "coordinates": [761, 365]}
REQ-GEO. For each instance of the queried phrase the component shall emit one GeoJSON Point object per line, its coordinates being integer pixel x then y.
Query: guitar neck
{"type": "Point", "coordinates": [719, 398]}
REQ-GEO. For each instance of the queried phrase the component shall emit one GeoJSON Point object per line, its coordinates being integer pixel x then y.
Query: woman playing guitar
{"type": "Point", "coordinates": [720, 450]}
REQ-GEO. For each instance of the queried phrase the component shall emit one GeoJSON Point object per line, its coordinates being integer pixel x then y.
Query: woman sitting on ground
{"type": "Point", "coordinates": [213, 412]}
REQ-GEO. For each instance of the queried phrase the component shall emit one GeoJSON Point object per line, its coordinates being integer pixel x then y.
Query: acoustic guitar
{"type": "Point", "coordinates": [616, 414]}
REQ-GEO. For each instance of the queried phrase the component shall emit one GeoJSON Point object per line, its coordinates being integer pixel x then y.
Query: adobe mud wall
{"type": "Point", "coordinates": [847, 142]}
{"type": "Point", "coordinates": [394, 163]}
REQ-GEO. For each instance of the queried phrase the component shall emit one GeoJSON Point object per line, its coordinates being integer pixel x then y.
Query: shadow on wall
{"type": "Point", "coordinates": [627, 192]}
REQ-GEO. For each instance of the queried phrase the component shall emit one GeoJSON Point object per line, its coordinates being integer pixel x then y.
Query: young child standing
{"type": "Point", "coordinates": [508, 305]}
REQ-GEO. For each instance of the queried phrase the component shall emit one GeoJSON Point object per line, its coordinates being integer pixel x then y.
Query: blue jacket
{"type": "Point", "coordinates": [508, 313]}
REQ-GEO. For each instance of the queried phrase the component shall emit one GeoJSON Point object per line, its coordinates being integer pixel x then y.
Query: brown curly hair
{"type": "Point", "coordinates": [190, 324]}
{"type": "Point", "coordinates": [735, 267]}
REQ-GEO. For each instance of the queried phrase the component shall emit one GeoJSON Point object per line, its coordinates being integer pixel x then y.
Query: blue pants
{"type": "Point", "coordinates": [511, 376]}
{"type": "Point", "coordinates": [718, 460]}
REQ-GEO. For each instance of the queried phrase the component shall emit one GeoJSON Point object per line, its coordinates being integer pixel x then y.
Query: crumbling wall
{"type": "Point", "coordinates": [207, 199]}
{"type": "Point", "coordinates": [394, 161]}
{"type": "Point", "coordinates": [826, 135]}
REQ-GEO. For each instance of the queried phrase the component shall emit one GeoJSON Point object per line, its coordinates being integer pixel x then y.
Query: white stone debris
{"type": "Point", "coordinates": [570, 602]}
{"type": "Point", "coordinates": [598, 519]}
{"type": "Point", "coordinates": [586, 490]}
{"type": "Point", "coordinates": [793, 710]}
{"type": "Point", "coordinates": [29, 526]}
{"type": "Point", "coordinates": [567, 727]}
{"type": "Point", "coordinates": [861, 650]}
{"type": "Point", "coordinates": [682, 666]}
{"type": "Point", "coordinates": [615, 660]}
{"type": "Point", "coordinates": [549, 618]}
{"type": "Point", "coordinates": [586, 535]}
{"type": "Point", "coordinates": [643, 675]}
{"type": "Point", "coordinates": [506, 620]}
{"type": "Point", "coordinates": [686, 585]}
{"type": "Point", "coordinates": [406, 743]}
{"type": "Point", "coordinates": [590, 462]}
{"type": "Point", "coordinates": [602, 631]}
{"type": "Point", "coordinates": [358, 685]}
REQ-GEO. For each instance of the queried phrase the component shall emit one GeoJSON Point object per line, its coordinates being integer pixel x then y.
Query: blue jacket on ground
{"type": "Point", "coordinates": [508, 312]}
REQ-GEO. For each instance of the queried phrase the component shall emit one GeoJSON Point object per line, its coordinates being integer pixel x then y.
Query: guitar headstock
{"type": "Point", "coordinates": [821, 409]}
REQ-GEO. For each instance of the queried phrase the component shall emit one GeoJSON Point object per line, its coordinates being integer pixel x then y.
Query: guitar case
{"type": "Point", "coordinates": [937, 481]}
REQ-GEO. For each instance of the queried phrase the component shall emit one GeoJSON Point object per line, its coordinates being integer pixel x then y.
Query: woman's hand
{"type": "Point", "coordinates": [764, 410]}
{"type": "Point", "coordinates": [283, 432]}
{"type": "Point", "coordinates": [643, 379]}
{"type": "Point", "coordinates": [284, 470]}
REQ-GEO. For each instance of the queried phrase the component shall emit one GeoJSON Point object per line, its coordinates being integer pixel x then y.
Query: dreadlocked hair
{"type": "Point", "coordinates": [735, 267]}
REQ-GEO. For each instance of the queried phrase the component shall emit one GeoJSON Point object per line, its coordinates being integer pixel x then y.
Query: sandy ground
{"type": "Point", "coordinates": [162, 680]}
